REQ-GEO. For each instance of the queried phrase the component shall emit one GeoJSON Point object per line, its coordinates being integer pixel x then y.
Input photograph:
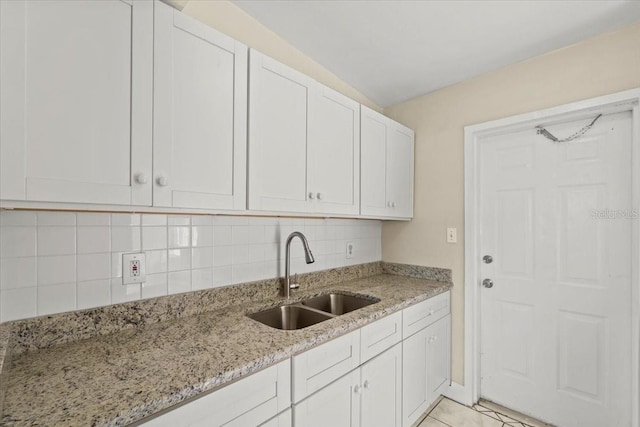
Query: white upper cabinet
{"type": "Point", "coordinates": [279, 100]}
{"type": "Point", "coordinates": [76, 101]}
{"type": "Point", "coordinates": [334, 153]}
{"type": "Point", "coordinates": [200, 115]}
{"type": "Point", "coordinates": [387, 155]}
{"type": "Point", "coordinates": [304, 140]}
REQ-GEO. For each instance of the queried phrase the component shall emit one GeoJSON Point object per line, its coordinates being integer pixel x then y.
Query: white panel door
{"type": "Point", "coordinates": [336, 405]}
{"type": "Point", "coordinates": [200, 102]}
{"type": "Point", "coordinates": [334, 153]}
{"type": "Point", "coordinates": [76, 101]}
{"type": "Point", "coordinates": [400, 170]}
{"type": "Point", "coordinates": [381, 379]}
{"type": "Point", "coordinates": [555, 331]}
{"type": "Point", "coordinates": [373, 149]}
{"type": "Point", "coordinates": [278, 115]}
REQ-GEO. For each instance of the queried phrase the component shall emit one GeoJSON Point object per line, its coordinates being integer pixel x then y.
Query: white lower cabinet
{"type": "Point", "coordinates": [426, 368]}
{"type": "Point", "coordinates": [249, 402]}
{"type": "Point", "coordinates": [369, 396]}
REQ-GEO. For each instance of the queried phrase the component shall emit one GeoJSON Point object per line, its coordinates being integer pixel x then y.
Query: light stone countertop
{"type": "Point", "coordinates": [123, 377]}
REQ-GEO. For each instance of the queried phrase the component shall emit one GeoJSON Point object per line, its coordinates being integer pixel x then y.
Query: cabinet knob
{"type": "Point", "coordinates": [162, 181]}
{"type": "Point", "coordinates": [141, 178]}
{"type": "Point", "coordinates": [311, 196]}
{"type": "Point", "coordinates": [319, 196]}
{"type": "Point", "coordinates": [356, 389]}
{"type": "Point", "coordinates": [393, 204]}
{"type": "Point", "coordinates": [366, 385]}
{"type": "Point", "coordinates": [389, 204]}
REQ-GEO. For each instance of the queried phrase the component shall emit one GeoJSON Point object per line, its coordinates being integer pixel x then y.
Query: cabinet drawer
{"type": "Point", "coordinates": [424, 313]}
{"type": "Point", "coordinates": [317, 367]}
{"type": "Point", "coordinates": [255, 398]}
{"type": "Point", "coordinates": [380, 335]}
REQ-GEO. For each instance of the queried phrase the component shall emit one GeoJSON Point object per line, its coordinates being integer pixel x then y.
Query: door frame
{"type": "Point", "coordinates": [629, 100]}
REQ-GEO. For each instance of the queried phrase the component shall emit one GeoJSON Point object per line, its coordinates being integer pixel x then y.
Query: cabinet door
{"type": "Point", "coordinates": [278, 115]}
{"type": "Point", "coordinates": [399, 182]}
{"type": "Point", "coordinates": [282, 420]}
{"type": "Point", "coordinates": [76, 101]}
{"type": "Point", "coordinates": [438, 357]}
{"type": "Point", "coordinates": [336, 405]}
{"type": "Point", "coordinates": [247, 402]}
{"type": "Point", "coordinates": [415, 395]}
{"type": "Point", "coordinates": [200, 91]}
{"type": "Point", "coordinates": [382, 390]}
{"type": "Point", "coordinates": [373, 148]}
{"type": "Point", "coordinates": [334, 153]}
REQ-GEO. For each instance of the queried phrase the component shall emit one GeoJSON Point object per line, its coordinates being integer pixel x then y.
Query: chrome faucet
{"type": "Point", "coordinates": [308, 256]}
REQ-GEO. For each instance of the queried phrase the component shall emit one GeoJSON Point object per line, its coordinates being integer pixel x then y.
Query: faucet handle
{"type": "Point", "coordinates": [294, 284]}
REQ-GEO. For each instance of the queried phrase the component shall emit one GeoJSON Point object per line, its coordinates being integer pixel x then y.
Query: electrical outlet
{"type": "Point", "coordinates": [349, 250]}
{"type": "Point", "coordinates": [133, 268]}
{"type": "Point", "coordinates": [452, 235]}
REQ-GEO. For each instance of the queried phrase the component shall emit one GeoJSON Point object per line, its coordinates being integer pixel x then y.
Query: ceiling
{"type": "Point", "coordinates": [392, 51]}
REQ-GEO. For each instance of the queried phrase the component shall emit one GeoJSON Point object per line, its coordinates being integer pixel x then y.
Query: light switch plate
{"type": "Point", "coordinates": [133, 268]}
{"type": "Point", "coordinates": [452, 235]}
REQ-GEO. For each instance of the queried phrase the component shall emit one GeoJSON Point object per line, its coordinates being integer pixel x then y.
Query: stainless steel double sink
{"type": "Point", "coordinates": [311, 311]}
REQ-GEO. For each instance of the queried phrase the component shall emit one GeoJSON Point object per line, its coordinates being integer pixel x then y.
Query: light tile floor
{"type": "Point", "coordinates": [448, 413]}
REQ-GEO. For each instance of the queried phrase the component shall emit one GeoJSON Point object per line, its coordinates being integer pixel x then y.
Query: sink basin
{"type": "Point", "coordinates": [338, 303]}
{"type": "Point", "coordinates": [289, 317]}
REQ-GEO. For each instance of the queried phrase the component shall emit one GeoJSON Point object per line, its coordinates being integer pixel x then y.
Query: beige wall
{"type": "Point", "coordinates": [233, 21]}
{"type": "Point", "coordinates": [605, 64]}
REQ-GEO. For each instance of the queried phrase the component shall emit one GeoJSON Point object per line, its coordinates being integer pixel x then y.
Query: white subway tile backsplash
{"type": "Point", "coordinates": [222, 276]}
{"type": "Point", "coordinates": [94, 293]}
{"type": "Point", "coordinates": [179, 282]}
{"type": "Point", "coordinates": [94, 239]}
{"type": "Point", "coordinates": [94, 266]}
{"type": "Point", "coordinates": [56, 298]}
{"type": "Point", "coordinates": [74, 260]}
{"type": "Point", "coordinates": [93, 219]}
{"type": "Point", "coordinates": [222, 256]}
{"type": "Point", "coordinates": [179, 237]}
{"type": "Point", "coordinates": [125, 239]}
{"type": "Point", "coordinates": [17, 218]}
{"type": "Point", "coordinates": [179, 259]}
{"type": "Point", "coordinates": [17, 241]}
{"type": "Point", "coordinates": [56, 240]}
{"type": "Point", "coordinates": [18, 272]}
{"type": "Point", "coordinates": [153, 219]}
{"type": "Point", "coordinates": [124, 293]}
{"type": "Point", "coordinates": [18, 303]}
{"type": "Point", "coordinates": [179, 220]}
{"type": "Point", "coordinates": [53, 270]}
{"type": "Point", "coordinates": [222, 235]}
{"type": "Point", "coordinates": [156, 261]}
{"type": "Point", "coordinates": [154, 238]}
{"type": "Point", "coordinates": [201, 279]}
{"type": "Point", "coordinates": [125, 219]}
{"type": "Point", "coordinates": [155, 286]}
{"type": "Point", "coordinates": [201, 257]}
{"type": "Point", "coordinates": [56, 218]}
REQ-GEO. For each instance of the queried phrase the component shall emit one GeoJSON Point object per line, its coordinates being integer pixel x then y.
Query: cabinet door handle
{"type": "Point", "coordinates": [366, 385]}
{"type": "Point", "coordinates": [319, 196]}
{"type": "Point", "coordinates": [393, 204]}
{"type": "Point", "coordinates": [311, 196]}
{"type": "Point", "coordinates": [162, 181]}
{"type": "Point", "coordinates": [356, 389]}
{"type": "Point", "coordinates": [141, 178]}
{"type": "Point", "coordinates": [389, 204]}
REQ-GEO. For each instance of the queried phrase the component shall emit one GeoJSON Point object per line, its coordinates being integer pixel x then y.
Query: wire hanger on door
{"type": "Point", "coordinates": [540, 130]}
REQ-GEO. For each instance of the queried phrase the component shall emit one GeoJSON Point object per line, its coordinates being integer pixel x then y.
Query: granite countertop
{"type": "Point", "coordinates": [123, 377]}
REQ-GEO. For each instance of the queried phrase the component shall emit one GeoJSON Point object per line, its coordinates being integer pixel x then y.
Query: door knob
{"type": "Point", "coordinates": [487, 283]}
{"type": "Point", "coordinates": [487, 259]}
